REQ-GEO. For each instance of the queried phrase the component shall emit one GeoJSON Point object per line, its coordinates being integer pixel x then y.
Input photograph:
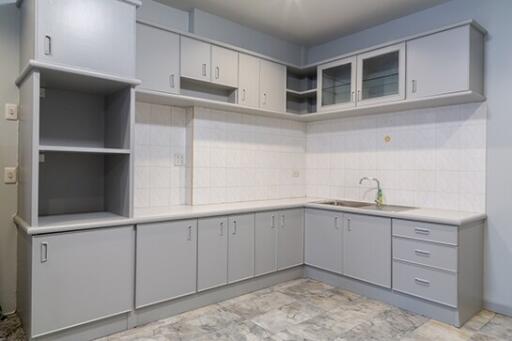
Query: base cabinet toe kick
{"type": "Point", "coordinates": [91, 283]}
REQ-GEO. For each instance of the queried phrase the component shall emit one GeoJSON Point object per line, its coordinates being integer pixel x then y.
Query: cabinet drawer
{"type": "Point", "coordinates": [433, 285]}
{"type": "Point", "coordinates": [425, 231]}
{"type": "Point", "coordinates": [437, 255]}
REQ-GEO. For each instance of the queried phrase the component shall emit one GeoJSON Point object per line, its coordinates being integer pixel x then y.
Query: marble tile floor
{"type": "Point", "coordinates": [302, 309]}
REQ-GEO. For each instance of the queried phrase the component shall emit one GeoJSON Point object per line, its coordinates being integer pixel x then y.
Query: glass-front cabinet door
{"type": "Point", "coordinates": [337, 84]}
{"type": "Point", "coordinates": [381, 75]}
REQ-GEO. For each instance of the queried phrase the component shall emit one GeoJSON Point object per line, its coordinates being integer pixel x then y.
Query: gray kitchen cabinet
{"type": "Point", "coordinates": [240, 247]}
{"type": "Point", "coordinates": [367, 249]}
{"type": "Point", "coordinates": [158, 59]}
{"type": "Point", "coordinates": [96, 35]}
{"type": "Point", "coordinates": [81, 276]}
{"type": "Point", "coordinates": [248, 80]}
{"type": "Point", "coordinates": [166, 261]}
{"type": "Point", "coordinates": [272, 86]}
{"type": "Point", "coordinates": [195, 59]}
{"type": "Point", "coordinates": [265, 242]}
{"type": "Point", "coordinates": [290, 238]}
{"type": "Point", "coordinates": [212, 252]}
{"type": "Point", "coordinates": [324, 240]}
{"type": "Point", "coordinates": [445, 62]}
{"type": "Point", "coordinates": [224, 66]}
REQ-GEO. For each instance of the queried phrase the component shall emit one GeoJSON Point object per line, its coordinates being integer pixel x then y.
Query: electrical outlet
{"type": "Point", "coordinates": [11, 112]}
{"type": "Point", "coordinates": [295, 173]}
{"type": "Point", "coordinates": [10, 176]}
{"type": "Point", "coordinates": [179, 159]}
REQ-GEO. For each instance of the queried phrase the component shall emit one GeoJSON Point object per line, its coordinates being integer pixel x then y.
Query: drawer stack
{"type": "Point", "coordinates": [425, 261]}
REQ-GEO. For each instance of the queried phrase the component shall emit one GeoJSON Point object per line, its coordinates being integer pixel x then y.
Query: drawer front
{"type": "Point", "coordinates": [437, 255]}
{"type": "Point", "coordinates": [425, 231]}
{"type": "Point", "coordinates": [433, 285]}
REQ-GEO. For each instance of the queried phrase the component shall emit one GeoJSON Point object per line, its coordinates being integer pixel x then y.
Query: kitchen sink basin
{"type": "Point", "coordinates": [345, 203]}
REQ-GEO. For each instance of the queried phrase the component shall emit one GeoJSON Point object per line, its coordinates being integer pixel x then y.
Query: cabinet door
{"type": "Point", "coordinates": [166, 261]}
{"type": "Point", "coordinates": [224, 66]}
{"type": "Point", "coordinates": [438, 64]}
{"type": "Point", "coordinates": [381, 75]}
{"type": "Point", "coordinates": [367, 249]}
{"type": "Point", "coordinates": [93, 34]}
{"type": "Point", "coordinates": [82, 276]}
{"type": "Point", "coordinates": [337, 84]}
{"type": "Point", "coordinates": [195, 59]}
{"type": "Point", "coordinates": [241, 247]}
{"type": "Point", "coordinates": [323, 240]}
{"type": "Point", "coordinates": [212, 252]}
{"type": "Point", "coordinates": [248, 80]}
{"type": "Point", "coordinates": [158, 59]}
{"type": "Point", "coordinates": [272, 86]}
{"type": "Point", "coordinates": [290, 239]}
{"type": "Point", "coordinates": [265, 242]}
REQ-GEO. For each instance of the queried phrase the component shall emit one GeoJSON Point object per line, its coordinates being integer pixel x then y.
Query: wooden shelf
{"type": "Point", "coordinates": [92, 150]}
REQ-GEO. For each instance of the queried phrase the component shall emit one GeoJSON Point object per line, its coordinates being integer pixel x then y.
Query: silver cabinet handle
{"type": "Point", "coordinates": [264, 98]}
{"type": "Point", "coordinates": [359, 95]}
{"type": "Point", "coordinates": [48, 45]}
{"type": "Point", "coordinates": [204, 69]}
{"type": "Point", "coordinates": [282, 221]}
{"type": "Point", "coordinates": [414, 86]}
{"type": "Point", "coordinates": [171, 80]}
{"type": "Point", "coordinates": [422, 253]}
{"type": "Point", "coordinates": [243, 95]}
{"type": "Point", "coordinates": [44, 252]}
{"type": "Point", "coordinates": [420, 230]}
{"type": "Point", "coordinates": [273, 221]}
{"type": "Point", "coordinates": [234, 227]}
{"type": "Point", "coordinates": [336, 223]}
{"type": "Point", "coordinates": [423, 282]}
{"type": "Point", "coordinates": [349, 227]}
{"type": "Point", "coordinates": [221, 229]}
{"type": "Point", "coordinates": [189, 237]}
{"type": "Point", "coordinates": [217, 72]}
{"type": "Point", "coordinates": [353, 96]}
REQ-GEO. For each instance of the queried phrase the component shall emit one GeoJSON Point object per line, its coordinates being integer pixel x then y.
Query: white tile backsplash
{"type": "Point", "coordinates": [432, 158]}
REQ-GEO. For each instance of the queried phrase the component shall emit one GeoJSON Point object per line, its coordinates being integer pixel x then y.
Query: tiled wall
{"type": "Point", "coordinates": [238, 157]}
{"type": "Point", "coordinates": [160, 134]}
{"type": "Point", "coordinates": [434, 158]}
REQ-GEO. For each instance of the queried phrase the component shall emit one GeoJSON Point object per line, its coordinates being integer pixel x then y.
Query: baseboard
{"type": "Point", "coordinates": [498, 308]}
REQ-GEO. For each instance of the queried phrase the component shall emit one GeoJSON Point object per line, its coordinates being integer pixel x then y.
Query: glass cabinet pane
{"type": "Point", "coordinates": [380, 75]}
{"type": "Point", "coordinates": [336, 84]}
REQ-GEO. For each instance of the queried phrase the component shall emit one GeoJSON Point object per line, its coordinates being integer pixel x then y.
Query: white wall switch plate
{"type": "Point", "coordinates": [11, 112]}
{"type": "Point", "coordinates": [10, 175]}
{"type": "Point", "coordinates": [179, 159]}
{"type": "Point", "coordinates": [295, 173]}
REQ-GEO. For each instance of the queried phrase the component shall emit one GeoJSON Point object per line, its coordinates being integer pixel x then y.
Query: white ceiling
{"type": "Point", "coordinates": [307, 22]}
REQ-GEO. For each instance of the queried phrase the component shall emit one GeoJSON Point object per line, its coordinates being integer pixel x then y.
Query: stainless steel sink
{"type": "Point", "coordinates": [387, 208]}
{"type": "Point", "coordinates": [345, 203]}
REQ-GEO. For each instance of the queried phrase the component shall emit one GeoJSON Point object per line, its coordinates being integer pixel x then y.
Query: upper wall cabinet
{"type": "Point", "coordinates": [446, 62]}
{"type": "Point", "coordinates": [95, 35]}
{"type": "Point", "coordinates": [158, 59]}
{"type": "Point", "coordinates": [381, 75]}
{"type": "Point", "coordinates": [205, 62]}
{"type": "Point", "coordinates": [337, 84]}
{"type": "Point", "coordinates": [272, 86]}
{"type": "Point", "coordinates": [248, 80]}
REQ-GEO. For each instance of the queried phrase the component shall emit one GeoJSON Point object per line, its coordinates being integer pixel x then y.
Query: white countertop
{"type": "Point", "coordinates": [71, 222]}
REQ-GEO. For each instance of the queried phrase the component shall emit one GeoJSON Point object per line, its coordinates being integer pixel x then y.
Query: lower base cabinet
{"type": "Point", "coordinates": [240, 247]}
{"type": "Point", "coordinates": [367, 249]}
{"type": "Point", "coordinates": [212, 252]}
{"type": "Point", "coordinates": [78, 277]}
{"type": "Point", "coordinates": [166, 261]}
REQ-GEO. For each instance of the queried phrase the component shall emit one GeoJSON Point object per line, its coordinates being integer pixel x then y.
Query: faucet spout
{"type": "Point", "coordinates": [379, 200]}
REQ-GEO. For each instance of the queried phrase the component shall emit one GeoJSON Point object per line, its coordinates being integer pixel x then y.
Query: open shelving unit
{"type": "Point", "coordinates": [301, 90]}
{"type": "Point", "coordinates": [76, 146]}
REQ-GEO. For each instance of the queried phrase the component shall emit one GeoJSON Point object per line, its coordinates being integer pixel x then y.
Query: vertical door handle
{"type": "Point", "coordinates": [234, 227]}
{"type": "Point", "coordinates": [243, 95]}
{"type": "Point", "coordinates": [221, 228]}
{"type": "Point", "coordinates": [44, 252]}
{"type": "Point", "coordinates": [414, 86]}
{"type": "Point", "coordinates": [358, 95]}
{"type": "Point", "coordinates": [353, 96]}
{"type": "Point", "coordinates": [349, 227]}
{"type": "Point", "coordinates": [171, 80]}
{"type": "Point", "coordinates": [282, 221]}
{"type": "Point", "coordinates": [336, 223]}
{"type": "Point", "coordinates": [48, 45]}
{"type": "Point", "coordinates": [204, 69]}
{"type": "Point", "coordinates": [273, 221]}
{"type": "Point", "coordinates": [264, 98]}
{"type": "Point", "coordinates": [189, 237]}
{"type": "Point", "coordinates": [217, 72]}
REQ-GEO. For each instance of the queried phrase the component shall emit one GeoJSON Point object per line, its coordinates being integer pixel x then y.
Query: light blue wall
{"type": "Point", "coordinates": [214, 27]}
{"type": "Point", "coordinates": [157, 13]}
{"type": "Point", "coordinates": [496, 17]}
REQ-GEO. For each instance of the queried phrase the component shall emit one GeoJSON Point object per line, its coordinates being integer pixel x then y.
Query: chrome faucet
{"type": "Point", "coordinates": [379, 200]}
